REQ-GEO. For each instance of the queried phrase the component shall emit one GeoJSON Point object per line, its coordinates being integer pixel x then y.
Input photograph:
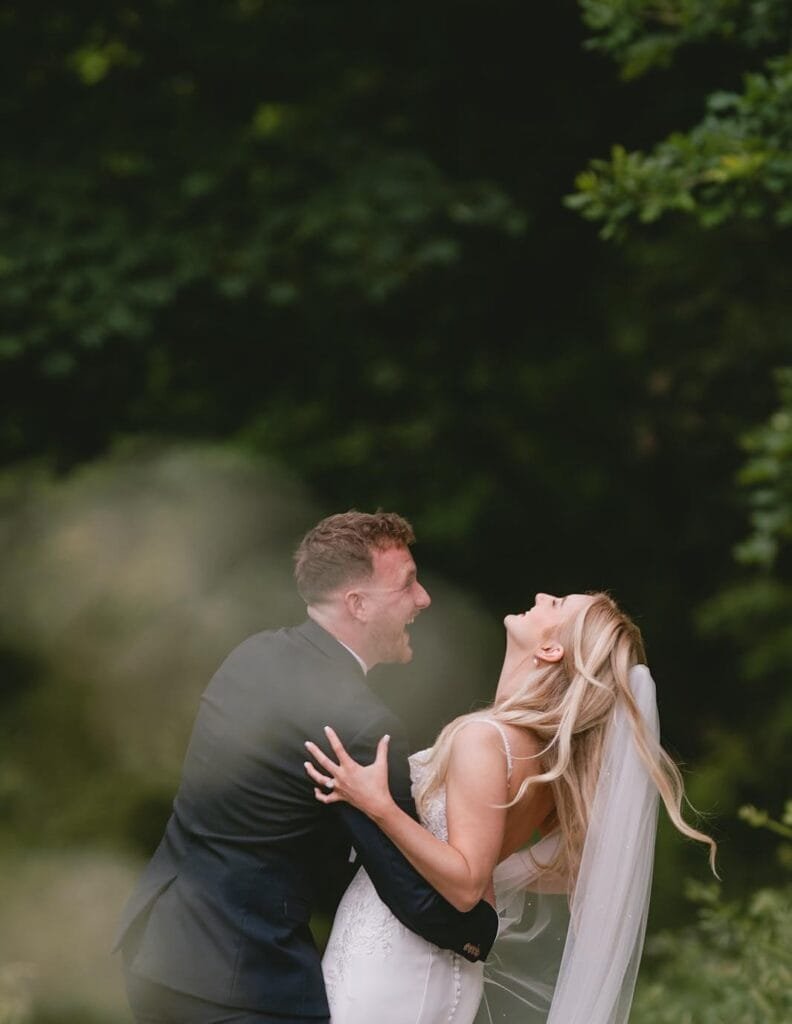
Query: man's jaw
{"type": "Point", "coordinates": [406, 644]}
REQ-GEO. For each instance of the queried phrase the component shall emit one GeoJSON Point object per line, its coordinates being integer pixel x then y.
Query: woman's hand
{"type": "Point", "coordinates": [365, 787]}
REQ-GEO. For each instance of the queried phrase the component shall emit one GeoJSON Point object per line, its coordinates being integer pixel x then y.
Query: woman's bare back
{"type": "Point", "coordinates": [532, 812]}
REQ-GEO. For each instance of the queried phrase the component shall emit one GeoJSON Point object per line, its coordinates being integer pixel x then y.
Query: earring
{"type": "Point", "coordinates": [536, 662]}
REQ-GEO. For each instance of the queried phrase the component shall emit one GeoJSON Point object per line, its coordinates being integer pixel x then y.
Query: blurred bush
{"type": "Point", "coordinates": [734, 964]}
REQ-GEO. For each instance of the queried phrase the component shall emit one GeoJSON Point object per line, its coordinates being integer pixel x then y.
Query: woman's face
{"type": "Point", "coordinates": [529, 630]}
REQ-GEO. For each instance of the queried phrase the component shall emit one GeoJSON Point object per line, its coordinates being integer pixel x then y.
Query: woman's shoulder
{"type": "Point", "coordinates": [487, 732]}
{"type": "Point", "coordinates": [487, 727]}
{"type": "Point", "coordinates": [479, 732]}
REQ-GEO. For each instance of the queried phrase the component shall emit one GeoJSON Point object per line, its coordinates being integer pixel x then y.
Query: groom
{"type": "Point", "coordinates": [216, 930]}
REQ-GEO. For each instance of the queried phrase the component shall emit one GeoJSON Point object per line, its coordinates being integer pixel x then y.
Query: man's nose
{"type": "Point", "coordinates": [540, 597]}
{"type": "Point", "coordinates": [422, 598]}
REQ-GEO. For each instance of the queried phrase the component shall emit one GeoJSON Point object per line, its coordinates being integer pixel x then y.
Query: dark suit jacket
{"type": "Point", "coordinates": [222, 909]}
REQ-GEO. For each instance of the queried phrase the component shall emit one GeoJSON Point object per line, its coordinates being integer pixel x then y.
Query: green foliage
{"type": "Point", "coordinates": [196, 196]}
{"type": "Point", "coordinates": [756, 611]}
{"type": "Point", "coordinates": [736, 163]}
{"type": "Point", "coordinates": [768, 477]}
{"type": "Point", "coordinates": [642, 34]}
{"type": "Point", "coordinates": [752, 616]}
{"type": "Point", "coordinates": [761, 819]}
{"type": "Point", "coordinates": [90, 273]}
{"type": "Point", "coordinates": [94, 61]}
{"type": "Point", "coordinates": [735, 964]}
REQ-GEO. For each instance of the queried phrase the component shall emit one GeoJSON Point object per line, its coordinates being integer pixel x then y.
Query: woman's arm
{"type": "Point", "coordinates": [476, 783]}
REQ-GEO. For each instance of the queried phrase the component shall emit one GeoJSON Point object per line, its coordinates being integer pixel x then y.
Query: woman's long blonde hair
{"type": "Point", "coordinates": [568, 705]}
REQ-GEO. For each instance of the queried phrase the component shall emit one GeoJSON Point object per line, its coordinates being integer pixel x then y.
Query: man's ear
{"type": "Point", "coordinates": [551, 651]}
{"type": "Point", "coordinates": [355, 604]}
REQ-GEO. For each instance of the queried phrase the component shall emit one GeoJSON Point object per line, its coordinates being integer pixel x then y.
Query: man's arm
{"type": "Point", "coordinates": [409, 897]}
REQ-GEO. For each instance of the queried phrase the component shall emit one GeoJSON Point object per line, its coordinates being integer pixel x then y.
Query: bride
{"type": "Point", "coordinates": [550, 794]}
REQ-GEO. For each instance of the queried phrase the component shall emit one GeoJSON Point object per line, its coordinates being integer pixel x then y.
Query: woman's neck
{"type": "Point", "coordinates": [515, 664]}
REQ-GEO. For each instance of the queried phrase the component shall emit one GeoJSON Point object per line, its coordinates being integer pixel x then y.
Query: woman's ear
{"type": "Point", "coordinates": [550, 651]}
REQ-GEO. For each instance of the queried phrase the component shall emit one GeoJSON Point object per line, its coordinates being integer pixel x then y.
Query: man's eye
{"type": "Point", "coordinates": [555, 601]}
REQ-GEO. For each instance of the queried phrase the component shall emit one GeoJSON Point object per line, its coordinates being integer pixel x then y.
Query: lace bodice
{"type": "Point", "coordinates": [433, 816]}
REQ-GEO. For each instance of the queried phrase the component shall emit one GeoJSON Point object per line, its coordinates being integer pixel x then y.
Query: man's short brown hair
{"type": "Point", "coordinates": [337, 551]}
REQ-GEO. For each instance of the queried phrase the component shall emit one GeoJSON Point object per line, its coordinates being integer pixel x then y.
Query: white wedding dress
{"type": "Point", "coordinates": [379, 972]}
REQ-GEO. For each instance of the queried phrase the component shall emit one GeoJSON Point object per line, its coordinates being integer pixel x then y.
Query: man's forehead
{"type": "Point", "coordinates": [393, 559]}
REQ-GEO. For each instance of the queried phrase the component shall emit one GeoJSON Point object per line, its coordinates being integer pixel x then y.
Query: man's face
{"type": "Point", "coordinates": [393, 597]}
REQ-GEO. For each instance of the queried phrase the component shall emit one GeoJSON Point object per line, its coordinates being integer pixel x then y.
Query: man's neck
{"type": "Point", "coordinates": [356, 656]}
{"type": "Point", "coordinates": [336, 630]}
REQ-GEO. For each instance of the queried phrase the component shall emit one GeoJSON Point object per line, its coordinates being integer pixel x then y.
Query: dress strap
{"type": "Point", "coordinates": [506, 745]}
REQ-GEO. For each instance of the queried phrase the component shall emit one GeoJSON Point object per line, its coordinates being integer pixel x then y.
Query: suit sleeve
{"type": "Point", "coordinates": [407, 894]}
